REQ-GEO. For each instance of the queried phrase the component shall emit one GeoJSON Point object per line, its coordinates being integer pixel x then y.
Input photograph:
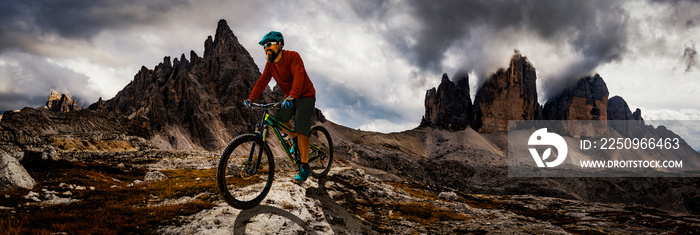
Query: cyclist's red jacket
{"type": "Point", "coordinates": [290, 75]}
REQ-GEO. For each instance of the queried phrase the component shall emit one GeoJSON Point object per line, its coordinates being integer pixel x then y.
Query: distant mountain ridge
{"type": "Point", "coordinates": [61, 103]}
{"type": "Point", "coordinates": [511, 94]}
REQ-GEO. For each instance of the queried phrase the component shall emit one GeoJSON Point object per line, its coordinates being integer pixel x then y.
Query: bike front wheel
{"type": "Point", "coordinates": [245, 172]}
{"type": "Point", "coordinates": [321, 151]}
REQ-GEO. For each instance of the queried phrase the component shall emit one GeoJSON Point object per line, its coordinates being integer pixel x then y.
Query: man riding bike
{"type": "Point", "coordinates": [287, 68]}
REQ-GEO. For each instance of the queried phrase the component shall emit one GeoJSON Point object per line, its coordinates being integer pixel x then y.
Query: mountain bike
{"type": "Point", "coordinates": [246, 168]}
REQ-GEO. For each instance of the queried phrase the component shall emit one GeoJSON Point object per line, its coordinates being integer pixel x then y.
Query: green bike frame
{"type": "Point", "coordinates": [272, 123]}
{"type": "Point", "coordinates": [269, 121]}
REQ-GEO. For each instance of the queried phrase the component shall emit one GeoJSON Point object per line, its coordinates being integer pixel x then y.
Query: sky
{"type": "Point", "coordinates": [370, 61]}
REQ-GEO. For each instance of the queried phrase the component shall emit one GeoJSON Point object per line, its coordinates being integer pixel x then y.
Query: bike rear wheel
{"type": "Point", "coordinates": [321, 151]}
{"type": "Point", "coordinates": [245, 172]}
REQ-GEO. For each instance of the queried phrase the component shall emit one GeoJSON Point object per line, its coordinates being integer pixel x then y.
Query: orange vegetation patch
{"type": "Point", "coordinates": [113, 207]}
{"type": "Point", "coordinates": [415, 189]}
{"type": "Point", "coordinates": [63, 144]}
{"type": "Point", "coordinates": [424, 213]}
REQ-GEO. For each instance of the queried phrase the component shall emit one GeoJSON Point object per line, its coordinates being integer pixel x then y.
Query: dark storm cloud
{"type": "Point", "coordinates": [12, 101]}
{"type": "Point", "coordinates": [26, 22]}
{"type": "Point", "coordinates": [690, 56]}
{"type": "Point", "coordinates": [683, 13]}
{"type": "Point", "coordinates": [30, 79]}
{"type": "Point", "coordinates": [29, 74]}
{"type": "Point", "coordinates": [594, 29]}
{"type": "Point", "coordinates": [354, 106]}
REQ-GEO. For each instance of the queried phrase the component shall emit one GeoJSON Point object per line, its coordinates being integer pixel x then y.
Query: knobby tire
{"type": "Point", "coordinates": [232, 170]}
{"type": "Point", "coordinates": [320, 167]}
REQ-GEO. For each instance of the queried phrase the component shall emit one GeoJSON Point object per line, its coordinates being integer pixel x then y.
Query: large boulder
{"type": "Point", "coordinates": [507, 95]}
{"type": "Point", "coordinates": [449, 107]}
{"type": "Point", "coordinates": [12, 173]}
{"type": "Point", "coordinates": [154, 176]}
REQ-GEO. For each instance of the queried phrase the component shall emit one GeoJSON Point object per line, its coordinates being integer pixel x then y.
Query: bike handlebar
{"type": "Point", "coordinates": [267, 106]}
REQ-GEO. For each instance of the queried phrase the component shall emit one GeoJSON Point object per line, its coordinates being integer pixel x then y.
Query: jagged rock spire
{"type": "Point", "coordinates": [195, 103]}
{"type": "Point", "coordinates": [507, 95]}
{"type": "Point", "coordinates": [448, 107]}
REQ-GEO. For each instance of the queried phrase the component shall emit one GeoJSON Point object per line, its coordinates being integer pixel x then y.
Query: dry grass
{"type": "Point", "coordinates": [7, 226]}
{"type": "Point", "coordinates": [382, 215]}
{"type": "Point", "coordinates": [424, 213]}
{"type": "Point", "coordinates": [62, 144]}
{"type": "Point", "coordinates": [105, 210]}
{"type": "Point", "coordinates": [415, 189]}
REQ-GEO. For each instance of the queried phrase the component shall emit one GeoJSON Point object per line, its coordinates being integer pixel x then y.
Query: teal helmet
{"type": "Point", "coordinates": [272, 36]}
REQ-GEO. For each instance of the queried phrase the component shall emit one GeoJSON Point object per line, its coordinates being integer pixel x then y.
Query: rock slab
{"type": "Point", "coordinates": [12, 174]}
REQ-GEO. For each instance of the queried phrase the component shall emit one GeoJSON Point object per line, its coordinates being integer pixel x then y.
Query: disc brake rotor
{"type": "Point", "coordinates": [247, 169]}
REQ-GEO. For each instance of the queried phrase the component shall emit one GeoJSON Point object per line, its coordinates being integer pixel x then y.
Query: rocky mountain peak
{"type": "Point", "coordinates": [507, 95]}
{"type": "Point", "coordinates": [511, 94]}
{"type": "Point", "coordinates": [587, 99]}
{"type": "Point", "coordinates": [619, 110]}
{"type": "Point", "coordinates": [448, 107]}
{"type": "Point", "coordinates": [61, 103]}
{"type": "Point", "coordinates": [195, 103]}
{"type": "Point", "coordinates": [224, 39]}
{"type": "Point", "coordinates": [637, 115]}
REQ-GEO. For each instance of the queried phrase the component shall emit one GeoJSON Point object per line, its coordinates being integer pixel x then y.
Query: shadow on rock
{"type": "Point", "coordinates": [244, 217]}
{"type": "Point", "coordinates": [340, 210]}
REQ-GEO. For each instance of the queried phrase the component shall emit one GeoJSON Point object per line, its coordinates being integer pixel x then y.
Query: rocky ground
{"type": "Point", "coordinates": [176, 194]}
{"type": "Point", "coordinates": [422, 181]}
{"type": "Point", "coordinates": [353, 201]}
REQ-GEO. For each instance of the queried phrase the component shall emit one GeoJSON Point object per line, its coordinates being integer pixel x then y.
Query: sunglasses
{"type": "Point", "coordinates": [269, 44]}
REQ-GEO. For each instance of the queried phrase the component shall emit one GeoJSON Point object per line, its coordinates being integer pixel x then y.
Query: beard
{"type": "Point", "coordinates": [271, 56]}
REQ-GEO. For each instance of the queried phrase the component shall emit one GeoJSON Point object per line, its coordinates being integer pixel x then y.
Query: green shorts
{"type": "Point", "coordinates": [303, 111]}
